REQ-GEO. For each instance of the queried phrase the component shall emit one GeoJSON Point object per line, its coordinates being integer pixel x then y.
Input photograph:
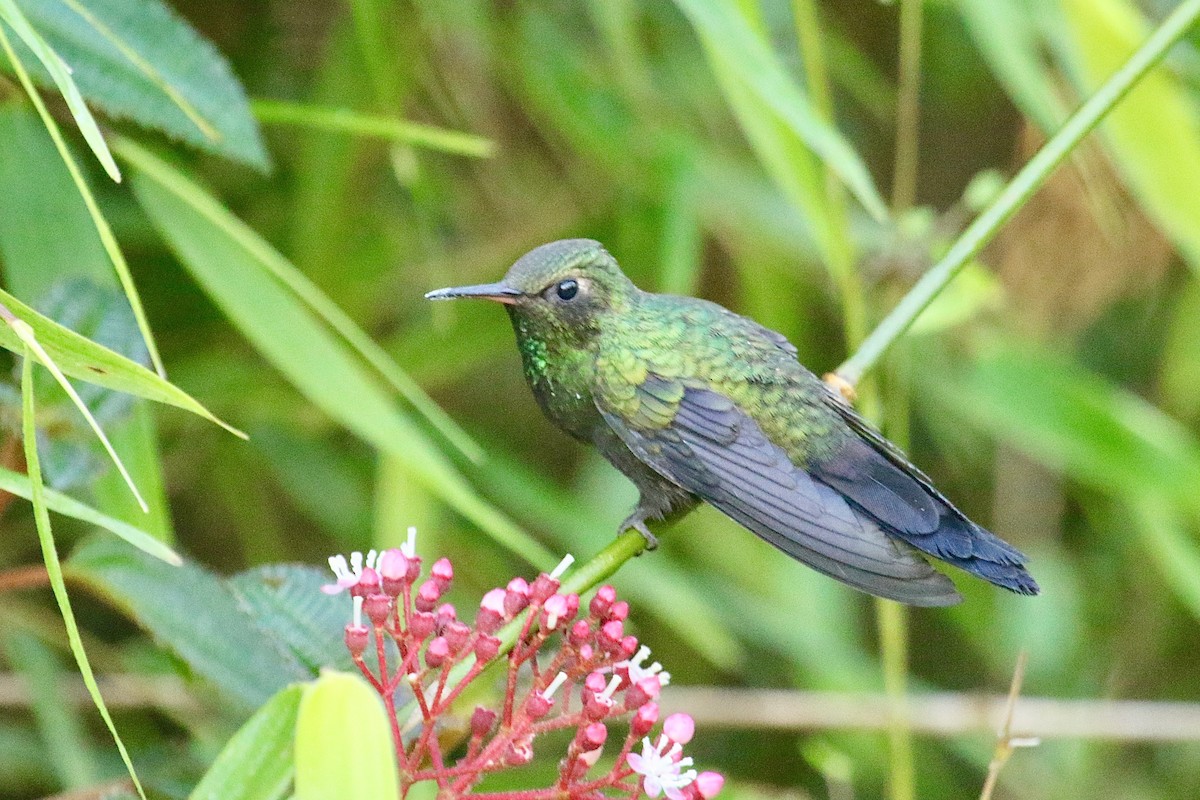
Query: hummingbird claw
{"type": "Point", "coordinates": [639, 525]}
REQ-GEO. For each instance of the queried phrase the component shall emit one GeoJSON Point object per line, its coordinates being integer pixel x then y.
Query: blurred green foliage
{"type": "Point", "coordinates": [734, 149]}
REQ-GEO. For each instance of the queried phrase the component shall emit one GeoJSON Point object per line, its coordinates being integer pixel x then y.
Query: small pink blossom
{"type": "Point", "coordinates": [348, 575]}
{"type": "Point", "coordinates": [662, 769]}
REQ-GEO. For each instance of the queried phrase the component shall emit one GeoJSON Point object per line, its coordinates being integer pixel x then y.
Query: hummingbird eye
{"type": "Point", "coordinates": [566, 290]}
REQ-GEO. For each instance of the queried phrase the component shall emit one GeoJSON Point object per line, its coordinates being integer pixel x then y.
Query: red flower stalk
{"type": "Point", "coordinates": [564, 672]}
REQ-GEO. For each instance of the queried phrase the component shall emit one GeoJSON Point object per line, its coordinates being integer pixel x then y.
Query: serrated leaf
{"type": "Point", "coordinates": [727, 34]}
{"type": "Point", "coordinates": [257, 762]}
{"type": "Point", "coordinates": [221, 642]}
{"type": "Point", "coordinates": [230, 267]}
{"type": "Point", "coordinates": [286, 599]}
{"type": "Point", "coordinates": [344, 742]}
{"type": "Point", "coordinates": [36, 50]}
{"type": "Point", "coordinates": [139, 60]}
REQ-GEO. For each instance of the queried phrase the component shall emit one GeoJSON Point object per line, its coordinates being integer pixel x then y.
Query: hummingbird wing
{"type": "Point", "coordinates": [877, 477]}
{"type": "Point", "coordinates": [699, 439]}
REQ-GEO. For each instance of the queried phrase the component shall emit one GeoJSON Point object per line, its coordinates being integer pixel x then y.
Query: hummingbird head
{"type": "Point", "coordinates": [560, 291]}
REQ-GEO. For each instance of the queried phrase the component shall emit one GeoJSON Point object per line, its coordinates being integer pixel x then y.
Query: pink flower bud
{"type": "Point", "coordinates": [603, 598]}
{"type": "Point", "coordinates": [457, 634]}
{"type": "Point", "coordinates": [428, 595]}
{"type": "Point", "coordinates": [442, 571]}
{"type": "Point", "coordinates": [585, 653]}
{"type": "Point", "coordinates": [437, 652]}
{"type": "Point", "coordinates": [414, 569]}
{"type": "Point", "coordinates": [644, 719]}
{"type": "Point", "coordinates": [708, 784]}
{"type": "Point", "coordinates": [421, 624]}
{"type": "Point", "coordinates": [618, 610]}
{"type": "Point", "coordinates": [629, 646]}
{"type": "Point", "coordinates": [493, 601]}
{"type": "Point", "coordinates": [679, 728]}
{"type": "Point", "coordinates": [591, 737]}
{"type": "Point", "coordinates": [611, 634]}
{"type": "Point", "coordinates": [445, 614]}
{"type": "Point", "coordinates": [595, 682]}
{"type": "Point", "coordinates": [487, 621]}
{"type": "Point", "coordinates": [368, 583]}
{"type": "Point", "coordinates": [596, 706]}
{"type": "Point", "coordinates": [487, 648]}
{"type": "Point", "coordinates": [516, 597]}
{"type": "Point", "coordinates": [642, 692]}
{"type": "Point", "coordinates": [357, 639]}
{"type": "Point", "coordinates": [377, 607]}
{"type": "Point", "coordinates": [542, 588]}
{"type": "Point", "coordinates": [579, 633]}
{"type": "Point", "coordinates": [538, 706]}
{"type": "Point", "coordinates": [554, 611]}
{"type": "Point", "coordinates": [572, 605]}
{"type": "Point", "coordinates": [393, 569]}
{"type": "Point", "coordinates": [482, 721]}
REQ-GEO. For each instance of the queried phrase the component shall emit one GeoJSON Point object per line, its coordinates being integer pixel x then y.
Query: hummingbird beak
{"type": "Point", "coordinates": [497, 292]}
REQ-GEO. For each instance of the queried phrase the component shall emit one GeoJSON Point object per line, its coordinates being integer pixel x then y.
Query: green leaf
{"type": "Point", "coordinates": [1154, 135]}
{"type": "Point", "coordinates": [1006, 34]}
{"type": "Point", "coordinates": [139, 60]}
{"type": "Point", "coordinates": [1068, 418]}
{"type": "Point", "coordinates": [19, 484]}
{"type": "Point", "coordinates": [50, 227]}
{"type": "Point", "coordinates": [344, 742]}
{"type": "Point", "coordinates": [222, 643]}
{"type": "Point", "coordinates": [287, 601]}
{"type": "Point", "coordinates": [729, 38]}
{"type": "Point", "coordinates": [59, 723]}
{"type": "Point", "coordinates": [239, 271]}
{"type": "Point", "coordinates": [59, 73]}
{"type": "Point", "coordinates": [54, 567]}
{"type": "Point", "coordinates": [257, 762]}
{"type": "Point", "coordinates": [82, 358]}
{"type": "Point", "coordinates": [344, 120]}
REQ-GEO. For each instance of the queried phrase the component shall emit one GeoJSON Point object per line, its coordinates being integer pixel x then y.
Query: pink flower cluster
{"type": "Point", "coordinates": [595, 677]}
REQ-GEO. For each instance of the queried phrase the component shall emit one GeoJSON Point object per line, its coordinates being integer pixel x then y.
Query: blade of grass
{"type": "Point", "coordinates": [303, 288]}
{"type": "Point", "coordinates": [86, 360]}
{"type": "Point", "coordinates": [106, 235]}
{"type": "Point", "coordinates": [53, 567]}
{"type": "Point", "coordinates": [18, 484]}
{"type": "Point", "coordinates": [343, 120]}
{"type": "Point", "coordinates": [727, 32]}
{"type": "Point", "coordinates": [27, 336]}
{"type": "Point", "coordinates": [1020, 188]}
{"type": "Point", "coordinates": [61, 74]}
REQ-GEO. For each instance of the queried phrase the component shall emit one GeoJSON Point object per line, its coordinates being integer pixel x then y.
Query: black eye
{"type": "Point", "coordinates": [567, 289]}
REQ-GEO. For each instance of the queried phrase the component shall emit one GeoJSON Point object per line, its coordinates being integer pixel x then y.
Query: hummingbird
{"type": "Point", "coordinates": [695, 403]}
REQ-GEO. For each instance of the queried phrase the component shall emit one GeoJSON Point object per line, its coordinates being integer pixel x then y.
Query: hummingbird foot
{"type": "Point", "coordinates": [636, 521]}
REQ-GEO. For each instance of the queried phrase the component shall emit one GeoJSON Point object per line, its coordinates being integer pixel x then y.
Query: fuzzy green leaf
{"type": "Point", "coordinates": [222, 644]}
{"type": "Point", "coordinates": [139, 60]}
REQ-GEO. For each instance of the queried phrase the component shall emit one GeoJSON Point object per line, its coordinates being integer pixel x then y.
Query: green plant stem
{"type": "Point", "coordinates": [1020, 189]}
{"type": "Point", "coordinates": [908, 121]}
{"type": "Point", "coordinates": [340, 120]}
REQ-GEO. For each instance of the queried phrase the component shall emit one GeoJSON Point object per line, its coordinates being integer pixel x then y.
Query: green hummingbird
{"type": "Point", "coordinates": [693, 402]}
